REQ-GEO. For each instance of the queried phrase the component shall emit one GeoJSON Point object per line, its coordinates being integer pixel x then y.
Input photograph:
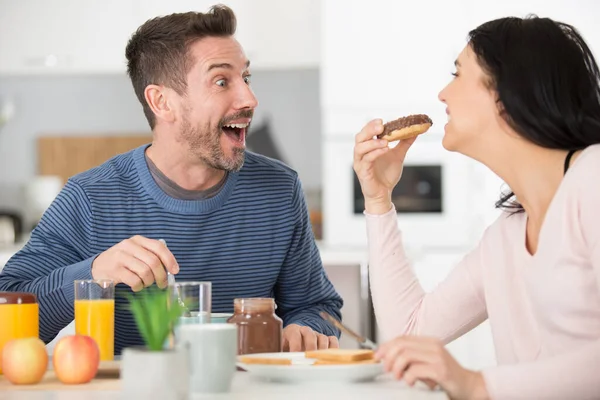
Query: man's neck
{"type": "Point", "coordinates": [173, 161]}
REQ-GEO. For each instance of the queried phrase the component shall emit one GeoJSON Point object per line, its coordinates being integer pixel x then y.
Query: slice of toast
{"type": "Point", "coordinates": [265, 360]}
{"type": "Point", "coordinates": [341, 355]}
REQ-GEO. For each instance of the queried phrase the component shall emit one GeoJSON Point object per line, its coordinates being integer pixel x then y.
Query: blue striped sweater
{"type": "Point", "coordinates": [253, 239]}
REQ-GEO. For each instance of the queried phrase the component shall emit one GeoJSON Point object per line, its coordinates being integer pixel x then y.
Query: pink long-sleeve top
{"type": "Point", "coordinates": [543, 309]}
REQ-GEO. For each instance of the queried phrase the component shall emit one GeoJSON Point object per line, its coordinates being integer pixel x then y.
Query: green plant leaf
{"type": "Point", "coordinates": [154, 315]}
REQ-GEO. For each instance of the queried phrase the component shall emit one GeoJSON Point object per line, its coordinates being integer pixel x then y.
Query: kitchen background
{"type": "Point", "coordinates": [321, 70]}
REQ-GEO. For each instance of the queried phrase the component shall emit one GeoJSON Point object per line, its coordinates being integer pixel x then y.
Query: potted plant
{"type": "Point", "coordinates": [154, 370]}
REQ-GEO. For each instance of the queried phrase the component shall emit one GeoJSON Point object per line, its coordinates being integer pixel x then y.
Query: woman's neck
{"type": "Point", "coordinates": [533, 174]}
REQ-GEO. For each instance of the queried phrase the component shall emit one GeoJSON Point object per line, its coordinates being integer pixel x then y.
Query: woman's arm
{"type": "Point", "coordinates": [401, 305]}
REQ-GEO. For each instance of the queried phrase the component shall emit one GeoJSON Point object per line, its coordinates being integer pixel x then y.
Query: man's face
{"type": "Point", "coordinates": [219, 104]}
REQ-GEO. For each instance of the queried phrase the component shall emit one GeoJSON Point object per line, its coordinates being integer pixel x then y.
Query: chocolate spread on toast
{"type": "Point", "coordinates": [404, 122]}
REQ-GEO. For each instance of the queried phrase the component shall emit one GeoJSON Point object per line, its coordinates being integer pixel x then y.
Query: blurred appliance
{"type": "Point", "coordinates": [40, 192]}
{"type": "Point", "coordinates": [11, 227]}
{"type": "Point", "coordinates": [419, 190]}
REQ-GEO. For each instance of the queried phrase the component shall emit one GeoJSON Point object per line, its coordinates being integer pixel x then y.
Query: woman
{"type": "Point", "coordinates": [524, 101]}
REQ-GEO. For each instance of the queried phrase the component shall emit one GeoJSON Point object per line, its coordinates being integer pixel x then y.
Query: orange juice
{"type": "Point", "coordinates": [96, 318]}
{"type": "Point", "coordinates": [18, 321]}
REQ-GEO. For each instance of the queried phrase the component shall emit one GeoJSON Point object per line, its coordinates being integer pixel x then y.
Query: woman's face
{"type": "Point", "coordinates": [471, 107]}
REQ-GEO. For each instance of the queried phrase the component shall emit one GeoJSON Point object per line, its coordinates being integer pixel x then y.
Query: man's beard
{"type": "Point", "coordinates": [205, 144]}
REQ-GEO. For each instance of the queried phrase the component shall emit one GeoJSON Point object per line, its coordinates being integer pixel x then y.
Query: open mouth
{"type": "Point", "coordinates": [236, 132]}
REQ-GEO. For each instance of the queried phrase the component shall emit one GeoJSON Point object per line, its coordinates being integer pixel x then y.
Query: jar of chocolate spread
{"type": "Point", "coordinates": [260, 330]}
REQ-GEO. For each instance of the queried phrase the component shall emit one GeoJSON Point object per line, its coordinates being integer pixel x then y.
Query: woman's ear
{"type": "Point", "coordinates": [505, 121]}
{"type": "Point", "coordinates": [500, 107]}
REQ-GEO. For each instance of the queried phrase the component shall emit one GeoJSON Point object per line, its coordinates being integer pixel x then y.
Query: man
{"type": "Point", "coordinates": [229, 216]}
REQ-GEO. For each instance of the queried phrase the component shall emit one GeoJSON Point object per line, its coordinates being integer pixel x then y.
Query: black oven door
{"type": "Point", "coordinates": [419, 191]}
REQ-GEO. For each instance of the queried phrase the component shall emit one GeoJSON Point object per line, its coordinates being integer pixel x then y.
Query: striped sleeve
{"type": "Point", "coordinates": [53, 258]}
{"type": "Point", "coordinates": [303, 289]}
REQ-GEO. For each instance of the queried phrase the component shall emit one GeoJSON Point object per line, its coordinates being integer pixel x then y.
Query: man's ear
{"type": "Point", "coordinates": [157, 98]}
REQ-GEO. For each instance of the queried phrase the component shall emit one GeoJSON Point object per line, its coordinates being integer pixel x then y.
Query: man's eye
{"type": "Point", "coordinates": [221, 82]}
{"type": "Point", "coordinates": [248, 79]}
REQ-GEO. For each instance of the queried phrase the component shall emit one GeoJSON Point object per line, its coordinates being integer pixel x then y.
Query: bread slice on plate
{"type": "Point", "coordinates": [341, 355]}
{"type": "Point", "coordinates": [265, 360]}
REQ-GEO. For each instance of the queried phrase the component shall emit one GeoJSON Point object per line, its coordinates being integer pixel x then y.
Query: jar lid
{"type": "Point", "coordinates": [17, 298]}
{"type": "Point", "coordinates": [254, 304]}
{"type": "Point", "coordinates": [267, 301]}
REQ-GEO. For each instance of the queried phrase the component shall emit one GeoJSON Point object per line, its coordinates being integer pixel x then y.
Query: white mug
{"type": "Point", "coordinates": [212, 354]}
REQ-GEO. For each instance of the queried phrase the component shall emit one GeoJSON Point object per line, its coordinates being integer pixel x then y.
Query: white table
{"type": "Point", "coordinates": [245, 388]}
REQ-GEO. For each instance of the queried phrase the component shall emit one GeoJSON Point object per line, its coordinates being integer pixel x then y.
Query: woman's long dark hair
{"type": "Point", "coordinates": [547, 82]}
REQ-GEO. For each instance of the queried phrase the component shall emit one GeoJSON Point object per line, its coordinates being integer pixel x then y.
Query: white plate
{"type": "Point", "coordinates": [302, 370]}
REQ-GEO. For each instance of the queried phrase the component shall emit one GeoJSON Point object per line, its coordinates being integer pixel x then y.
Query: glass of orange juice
{"type": "Point", "coordinates": [95, 314]}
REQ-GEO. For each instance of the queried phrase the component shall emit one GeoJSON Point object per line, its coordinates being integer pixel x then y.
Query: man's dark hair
{"type": "Point", "coordinates": [158, 52]}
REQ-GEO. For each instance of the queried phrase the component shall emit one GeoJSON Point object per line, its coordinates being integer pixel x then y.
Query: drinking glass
{"type": "Point", "coordinates": [95, 313]}
{"type": "Point", "coordinates": [195, 297]}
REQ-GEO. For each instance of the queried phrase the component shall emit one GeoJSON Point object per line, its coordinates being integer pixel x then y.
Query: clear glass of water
{"type": "Point", "coordinates": [196, 299]}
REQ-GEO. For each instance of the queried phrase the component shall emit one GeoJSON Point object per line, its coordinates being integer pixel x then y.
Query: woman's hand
{"type": "Point", "coordinates": [378, 167]}
{"type": "Point", "coordinates": [426, 359]}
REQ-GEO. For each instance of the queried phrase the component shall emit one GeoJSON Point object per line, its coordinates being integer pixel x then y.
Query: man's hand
{"type": "Point", "coordinates": [137, 262]}
{"type": "Point", "coordinates": [303, 338]}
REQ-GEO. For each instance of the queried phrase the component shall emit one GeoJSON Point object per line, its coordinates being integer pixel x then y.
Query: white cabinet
{"type": "Point", "coordinates": [397, 58]}
{"type": "Point", "coordinates": [71, 36]}
{"type": "Point", "coordinates": [282, 34]}
{"type": "Point", "coordinates": [45, 37]}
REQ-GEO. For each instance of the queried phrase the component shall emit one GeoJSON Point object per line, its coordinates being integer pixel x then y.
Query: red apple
{"type": "Point", "coordinates": [24, 360]}
{"type": "Point", "coordinates": [76, 359]}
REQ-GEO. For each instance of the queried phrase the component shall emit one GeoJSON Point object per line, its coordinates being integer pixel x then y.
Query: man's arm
{"type": "Point", "coordinates": [55, 256]}
{"type": "Point", "coordinates": [303, 288]}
